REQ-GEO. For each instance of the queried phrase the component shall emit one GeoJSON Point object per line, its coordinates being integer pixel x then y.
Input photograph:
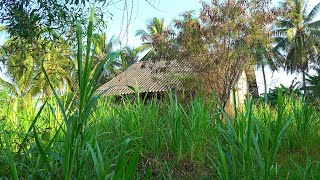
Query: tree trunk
{"type": "Point", "coordinates": [304, 82]}
{"type": "Point", "coordinates": [251, 78]}
{"type": "Point", "coordinates": [265, 85]}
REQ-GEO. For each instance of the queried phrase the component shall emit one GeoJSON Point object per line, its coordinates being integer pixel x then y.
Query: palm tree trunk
{"type": "Point", "coordinates": [304, 82]}
{"type": "Point", "coordinates": [251, 78]}
{"type": "Point", "coordinates": [265, 84]}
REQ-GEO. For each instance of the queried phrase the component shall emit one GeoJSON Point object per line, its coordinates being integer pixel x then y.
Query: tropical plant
{"type": "Point", "coordinates": [103, 47]}
{"type": "Point", "coordinates": [293, 90]}
{"type": "Point", "coordinates": [162, 139]}
{"type": "Point", "coordinates": [265, 57]}
{"type": "Point", "coordinates": [298, 35]}
{"type": "Point", "coordinates": [152, 38]}
{"type": "Point", "coordinates": [261, 21]}
{"type": "Point", "coordinates": [77, 121]}
{"type": "Point", "coordinates": [313, 85]}
{"type": "Point", "coordinates": [128, 56]}
{"type": "Point", "coordinates": [22, 61]}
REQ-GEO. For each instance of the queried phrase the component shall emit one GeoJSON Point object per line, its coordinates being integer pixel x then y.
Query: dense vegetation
{"type": "Point", "coordinates": [165, 140]}
{"type": "Point", "coordinates": [53, 124]}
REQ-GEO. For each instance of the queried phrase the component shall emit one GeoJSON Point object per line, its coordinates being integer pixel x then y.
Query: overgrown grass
{"type": "Point", "coordinates": [167, 139]}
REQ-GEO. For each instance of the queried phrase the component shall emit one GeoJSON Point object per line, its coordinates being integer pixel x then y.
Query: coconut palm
{"type": "Point", "coordinates": [23, 76]}
{"type": "Point", "coordinates": [265, 57]}
{"type": "Point", "coordinates": [18, 67]}
{"type": "Point", "coordinates": [298, 34]}
{"type": "Point", "coordinates": [154, 35]}
{"type": "Point", "coordinates": [128, 56]}
{"type": "Point", "coordinates": [103, 47]}
{"type": "Point", "coordinates": [23, 60]}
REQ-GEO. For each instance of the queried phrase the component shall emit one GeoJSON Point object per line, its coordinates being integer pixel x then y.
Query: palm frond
{"type": "Point", "coordinates": [143, 47]}
{"type": "Point", "coordinates": [140, 32]}
{"type": "Point", "coordinates": [313, 13]}
{"type": "Point", "coordinates": [315, 24]}
{"type": "Point", "coordinates": [144, 36]}
{"type": "Point", "coordinates": [148, 56]}
{"type": "Point", "coordinates": [155, 25]}
{"type": "Point", "coordinates": [284, 23]}
{"type": "Point", "coordinates": [111, 43]}
{"type": "Point", "coordinates": [281, 43]}
{"type": "Point", "coordinates": [10, 86]}
{"type": "Point", "coordinates": [128, 56]}
{"type": "Point", "coordinates": [314, 32]}
{"type": "Point", "coordinates": [154, 30]}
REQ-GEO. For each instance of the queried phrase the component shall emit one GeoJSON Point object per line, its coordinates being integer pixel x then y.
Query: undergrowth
{"type": "Point", "coordinates": [166, 139]}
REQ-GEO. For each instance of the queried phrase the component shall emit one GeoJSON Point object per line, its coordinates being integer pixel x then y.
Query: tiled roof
{"type": "Point", "coordinates": [147, 77]}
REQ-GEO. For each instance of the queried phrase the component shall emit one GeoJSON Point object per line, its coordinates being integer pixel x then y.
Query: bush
{"type": "Point", "coordinates": [293, 91]}
{"type": "Point", "coordinates": [313, 87]}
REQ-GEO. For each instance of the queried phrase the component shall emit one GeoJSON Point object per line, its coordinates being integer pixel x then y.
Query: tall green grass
{"type": "Point", "coordinates": [165, 139]}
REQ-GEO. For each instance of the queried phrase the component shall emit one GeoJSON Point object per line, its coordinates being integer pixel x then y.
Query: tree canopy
{"type": "Point", "coordinates": [298, 36]}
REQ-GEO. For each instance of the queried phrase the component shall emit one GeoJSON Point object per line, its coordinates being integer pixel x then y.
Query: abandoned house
{"type": "Point", "coordinates": [156, 77]}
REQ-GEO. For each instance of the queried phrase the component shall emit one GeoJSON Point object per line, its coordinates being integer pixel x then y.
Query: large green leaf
{"type": "Point", "coordinates": [313, 13]}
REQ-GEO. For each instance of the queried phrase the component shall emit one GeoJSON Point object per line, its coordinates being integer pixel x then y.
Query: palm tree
{"type": "Point", "coordinates": [103, 47]}
{"type": "Point", "coordinates": [265, 57]}
{"type": "Point", "coordinates": [128, 56]}
{"type": "Point", "coordinates": [18, 65]}
{"type": "Point", "coordinates": [154, 35]}
{"type": "Point", "coordinates": [57, 59]}
{"type": "Point", "coordinates": [23, 60]}
{"type": "Point", "coordinates": [298, 34]}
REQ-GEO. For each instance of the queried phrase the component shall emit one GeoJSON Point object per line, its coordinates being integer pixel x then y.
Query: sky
{"type": "Point", "coordinates": [169, 10]}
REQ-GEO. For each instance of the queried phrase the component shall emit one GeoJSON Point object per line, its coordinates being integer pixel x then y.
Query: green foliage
{"type": "Point", "coordinates": [102, 48]}
{"type": "Point", "coordinates": [4, 93]}
{"type": "Point", "coordinates": [164, 139]}
{"type": "Point", "coordinates": [225, 38]}
{"type": "Point", "coordinates": [153, 39]}
{"type": "Point", "coordinates": [44, 32]}
{"type": "Point", "coordinates": [30, 19]}
{"type": "Point", "coordinates": [297, 36]}
{"type": "Point", "coordinates": [293, 90]}
{"type": "Point", "coordinates": [76, 122]}
{"type": "Point", "coordinates": [314, 85]}
{"type": "Point", "coordinates": [22, 62]}
{"type": "Point", "coordinates": [128, 56]}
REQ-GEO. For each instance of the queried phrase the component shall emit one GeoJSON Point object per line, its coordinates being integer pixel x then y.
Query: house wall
{"type": "Point", "coordinates": [242, 90]}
